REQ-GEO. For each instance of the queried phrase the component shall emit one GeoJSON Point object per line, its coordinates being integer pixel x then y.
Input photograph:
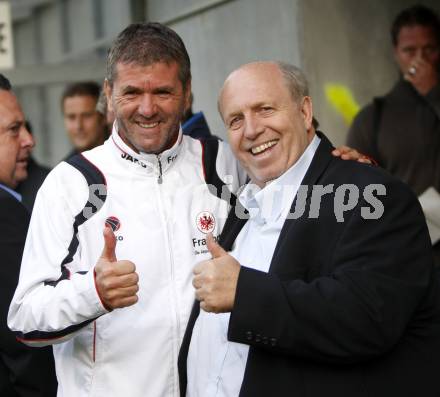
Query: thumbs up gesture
{"type": "Point", "coordinates": [215, 280]}
{"type": "Point", "coordinates": [116, 281]}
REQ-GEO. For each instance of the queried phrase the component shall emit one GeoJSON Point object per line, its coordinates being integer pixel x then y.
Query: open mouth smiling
{"type": "Point", "coordinates": [148, 125]}
{"type": "Point", "coordinates": [263, 147]}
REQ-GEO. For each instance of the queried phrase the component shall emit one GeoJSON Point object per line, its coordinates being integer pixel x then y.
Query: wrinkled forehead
{"type": "Point", "coordinates": [156, 68]}
{"type": "Point", "coordinates": [153, 74]}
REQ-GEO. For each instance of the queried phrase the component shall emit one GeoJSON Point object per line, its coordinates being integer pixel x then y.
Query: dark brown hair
{"type": "Point", "coordinates": [147, 43]}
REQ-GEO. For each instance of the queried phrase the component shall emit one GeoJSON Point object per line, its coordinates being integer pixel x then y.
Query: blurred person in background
{"type": "Point", "coordinates": [402, 129]}
{"type": "Point", "coordinates": [195, 124]}
{"type": "Point", "coordinates": [85, 126]}
{"type": "Point", "coordinates": [24, 372]}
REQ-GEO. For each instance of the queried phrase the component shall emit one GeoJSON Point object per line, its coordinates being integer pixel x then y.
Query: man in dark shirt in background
{"type": "Point", "coordinates": [402, 129]}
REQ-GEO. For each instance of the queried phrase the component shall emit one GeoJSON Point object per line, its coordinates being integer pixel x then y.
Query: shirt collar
{"type": "Point", "coordinates": [269, 203]}
{"type": "Point", "coordinates": [13, 192]}
{"type": "Point", "coordinates": [146, 160]}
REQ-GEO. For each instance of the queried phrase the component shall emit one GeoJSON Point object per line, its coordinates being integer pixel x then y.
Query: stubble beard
{"type": "Point", "coordinates": [170, 137]}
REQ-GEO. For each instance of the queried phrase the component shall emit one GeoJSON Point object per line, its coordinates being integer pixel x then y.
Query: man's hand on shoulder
{"type": "Point", "coordinates": [116, 281]}
{"type": "Point", "coordinates": [348, 153]}
{"type": "Point", "coordinates": [215, 280]}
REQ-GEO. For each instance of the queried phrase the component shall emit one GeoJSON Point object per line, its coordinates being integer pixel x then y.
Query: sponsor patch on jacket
{"type": "Point", "coordinates": [134, 160]}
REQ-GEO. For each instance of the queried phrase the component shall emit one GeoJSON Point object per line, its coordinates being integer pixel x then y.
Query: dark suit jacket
{"type": "Point", "coordinates": [347, 308]}
{"type": "Point", "coordinates": [24, 371]}
{"type": "Point", "coordinates": [29, 187]}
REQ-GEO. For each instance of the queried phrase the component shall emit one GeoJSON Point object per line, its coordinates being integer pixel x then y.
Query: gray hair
{"type": "Point", "coordinates": [296, 83]}
{"type": "Point", "coordinates": [147, 43]}
{"type": "Point", "coordinates": [295, 79]}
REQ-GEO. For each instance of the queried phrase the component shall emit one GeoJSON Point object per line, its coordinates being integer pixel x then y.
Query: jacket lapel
{"type": "Point", "coordinates": [235, 221]}
{"type": "Point", "coordinates": [320, 161]}
{"type": "Point", "coordinates": [238, 216]}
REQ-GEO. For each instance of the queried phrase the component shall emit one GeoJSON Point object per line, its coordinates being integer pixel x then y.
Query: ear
{"type": "Point", "coordinates": [108, 90]}
{"type": "Point", "coordinates": [307, 112]}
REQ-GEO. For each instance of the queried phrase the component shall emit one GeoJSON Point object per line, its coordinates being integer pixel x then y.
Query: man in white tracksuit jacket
{"type": "Point", "coordinates": [116, 311]}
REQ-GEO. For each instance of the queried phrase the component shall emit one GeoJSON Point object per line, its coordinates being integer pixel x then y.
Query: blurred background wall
{"type": "Point", "coordinates": [343, 46]}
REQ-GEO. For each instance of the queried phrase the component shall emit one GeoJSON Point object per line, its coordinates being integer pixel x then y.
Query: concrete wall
{"type": "Point", "coordinates": [348, 42]}
{"type": "Point", "coordinates": [56, 41]}
{"type": "Point", "coordinates": [222, 38]}
{"type": "Point", "coordinates": [344, 42]}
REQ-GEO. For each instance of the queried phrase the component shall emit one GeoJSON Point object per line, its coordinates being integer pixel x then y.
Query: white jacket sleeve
{"type": "Point", "coordinates": [56, 294]}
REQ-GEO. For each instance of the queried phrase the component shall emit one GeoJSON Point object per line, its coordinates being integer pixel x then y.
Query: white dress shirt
{"type": "Point", "coordinates": [215, 365]}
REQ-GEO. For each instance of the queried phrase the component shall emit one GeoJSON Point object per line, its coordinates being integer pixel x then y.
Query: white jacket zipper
{"type": "Point", "coordinates": [176, 336]}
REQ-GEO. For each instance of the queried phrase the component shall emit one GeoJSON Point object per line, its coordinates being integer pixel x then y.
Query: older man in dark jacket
{"type": "Point", "coordinates": [24, 372]}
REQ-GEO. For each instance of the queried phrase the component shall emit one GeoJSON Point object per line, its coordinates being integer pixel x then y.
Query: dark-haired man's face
{"type": "Point", "coordinates": [416, 42]}
{"type": "Point", "coordinates": [85, 126]}
{"type": "Point", "coordinates": [15, 141]}
{"type": "Point", "coordinates": [148, 102]}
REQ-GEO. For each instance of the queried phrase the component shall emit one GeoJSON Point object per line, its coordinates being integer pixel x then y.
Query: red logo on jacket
{"type": "Point", "coordinates": [205, 222]}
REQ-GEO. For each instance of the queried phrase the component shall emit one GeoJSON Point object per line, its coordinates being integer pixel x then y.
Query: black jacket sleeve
{"type": "Point", "coordinates": [363, 299]}
{"type": "Point", "coordinates": [28, 372]}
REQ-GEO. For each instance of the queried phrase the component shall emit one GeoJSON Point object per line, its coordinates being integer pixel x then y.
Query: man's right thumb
{"type": "Point", "coordinates": [108, 253]}
{"type": "Point", "coordinates": [214, 248]}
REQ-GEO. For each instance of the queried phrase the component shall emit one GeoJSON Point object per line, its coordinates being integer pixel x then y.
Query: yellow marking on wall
{"type": "Point", "coordinates": [341, 99]}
